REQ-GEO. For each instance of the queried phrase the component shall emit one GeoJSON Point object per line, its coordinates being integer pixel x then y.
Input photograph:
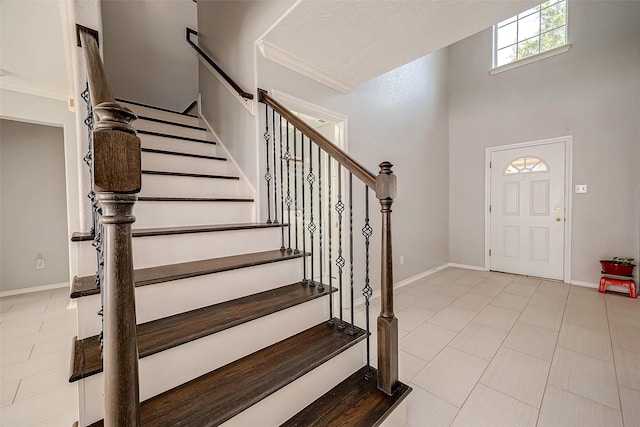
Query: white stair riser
{"type": "Point", "coordinates": [172, 163]}
{"type": "Point", "coordinates": [159, 114]}
{"type": "Point", "coordinates": [398, 418]}
{"type": "Point", "coordinates": [291, 399]}
{"type": "Point", "coordinates": [170, 368]}
{"type": "Point", "coordinates": [186, 186]}
{"type": "Point", "coordinates": [179, 145]}
{"type": "Point", "coordinates": [153, 251]}
{"type": "Point", "coordinates": [167, 214]}
{"type": "Point", "coordinates": [169, 129]}
{"type": "Point", "coordinates": [166, 299]}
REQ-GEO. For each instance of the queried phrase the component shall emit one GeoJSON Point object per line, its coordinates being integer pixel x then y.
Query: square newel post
{"type": "Point", "coordinates": [116, 177]}
{"type": "Point", "coordinates": [386, 189]}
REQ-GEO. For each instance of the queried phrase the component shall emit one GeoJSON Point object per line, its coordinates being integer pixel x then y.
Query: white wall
{"type": "Point", "coordinates": [591, 92]}
{"type": "Point", "coordinates": [147, 58]}
{"type": "Point", "coordinates": [33, 204]}
{"type": "Point", "coordinates": [400, 116]}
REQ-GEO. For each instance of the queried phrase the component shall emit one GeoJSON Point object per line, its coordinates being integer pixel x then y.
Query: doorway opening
{"type": "Point", "coordinates": [528, 209]}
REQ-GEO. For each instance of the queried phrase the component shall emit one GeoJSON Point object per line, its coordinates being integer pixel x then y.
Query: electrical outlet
{"type": "Point", "coordinates": [401, 259]}
{"type": "Point", "coordinates": [39, 263]}
{"type": "Point", "coordinates": [581, 188]}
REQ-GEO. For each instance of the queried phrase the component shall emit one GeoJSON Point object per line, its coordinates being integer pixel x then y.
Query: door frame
{"type": "Point", "coordinates": [568, 185]}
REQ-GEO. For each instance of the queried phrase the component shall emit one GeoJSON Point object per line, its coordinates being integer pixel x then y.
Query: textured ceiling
{"type": "Point", "coordinates": [350, 42]}
{"type": "Point", "coordinates": [32, 52]}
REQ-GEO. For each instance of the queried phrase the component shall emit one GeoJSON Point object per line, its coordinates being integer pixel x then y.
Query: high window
{"type": "Point", "coordinates": [529, 33]}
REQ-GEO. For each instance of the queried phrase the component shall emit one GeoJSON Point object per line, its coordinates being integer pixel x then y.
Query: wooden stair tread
{"type": "Point", "coordinates": [190, 175]}
{"type": "Point", "coordinates": [155, 108]}
{"type": "Point", "coordinates": [168, 122]}
{"type": "Point", "coordinates": [355, 402]}
{"type": "Point", "coordinates": [219, 395]}
{"type": "Point", "coordinates": [166, 135]}
{"type": "Point", "coordinates": [83, 286]}
{"type": "Point", "coordinates": [172, 331]}
{"type": "Point", "coordinates": [193, 199]}
{"type": "Point", "coordinates": [177, 153]}
{"type": "Point", "coordinates": [185, 229]}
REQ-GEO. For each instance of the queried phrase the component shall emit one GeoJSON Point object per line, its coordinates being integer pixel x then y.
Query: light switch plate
{"type": "Point", "coordinates": [581, 188]}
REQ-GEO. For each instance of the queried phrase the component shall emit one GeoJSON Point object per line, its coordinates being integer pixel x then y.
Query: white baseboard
{"type": "Point", "coordinates": [404, 282]}
{"type": "Point", "coordinates": [33, 289]}
{"type": "Point", "coordinates": [467, 266]}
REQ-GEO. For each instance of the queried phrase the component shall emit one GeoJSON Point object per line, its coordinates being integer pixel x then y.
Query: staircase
{"type": "Point", "coordinates": [227, 332]}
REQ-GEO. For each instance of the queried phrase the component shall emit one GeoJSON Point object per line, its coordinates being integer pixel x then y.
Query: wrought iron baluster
{"type": "Point", "coordinates": [288, 200]}
{"type": "Point", "coordinates": [340, 262]}
{"type": "Point", "coordinates": [96, 209]}
{"type": "Point", "coordinates": [267, 175]}
{"type": "Point", "coordinates": [295, 188]}
{"type": "Point", "coordinates": [282, 248]}
{"type": "Point", "coordinates": [367, 231]}
{"type": "Point", "coordinates": [329, 226]}
{"type": "Point", "coordinates": [275, 170]}
{"type": "Point", "coordinates": [352, 330]}
{"type": "Point", "coordinates": [312, 227]}
{"type": "Point", "coordinates": [304, 237]}
{"type": "Point", "coordinates": [320, 253]}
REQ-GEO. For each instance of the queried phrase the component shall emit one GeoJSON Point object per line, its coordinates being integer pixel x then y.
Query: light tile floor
{"type": "Point", "coordinates": [35, 351]}
{"type": "Point", "coordinates": [478, 348]}
{"type": "Point", "coordinates": [492, 349]}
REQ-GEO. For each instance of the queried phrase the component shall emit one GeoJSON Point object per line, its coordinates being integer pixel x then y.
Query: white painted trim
{"type": "Point", "coordinates": [248, 104]}
{"type": "Point", "coordinates": [467, 266]}
{"type": "Point", "coordinates": [568, 196]}
{"type": "Point", "coordinates": [33, 91]}
{"type": "Point", "coordinates": [227, 154]}
{"type": "Point", "coordinates": [294, 63]}
{"type": "Point", "coordinates": [529, 60]}
{"type": "Point", "coordinates": [33, 289]}
{"type": "Point", "coordinates": [614, 288]}
{"type": "Point", "coordinates": [405, 282]}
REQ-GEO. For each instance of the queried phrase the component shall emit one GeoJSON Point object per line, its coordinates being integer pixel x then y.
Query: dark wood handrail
{"type": "Point", "coordinates": [203, 55]}
{"type": "Point", "coordinates": [116, 178]}
{"type": "Point", "coordinates": [359, 171]}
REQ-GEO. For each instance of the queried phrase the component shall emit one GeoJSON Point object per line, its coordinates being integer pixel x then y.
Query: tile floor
{"type": "Point", "coordinates": [35, 346]}
{"type": "Point", "coordinates": [478, 348]}
{"type": "Point", "coordinates": [492, 349]}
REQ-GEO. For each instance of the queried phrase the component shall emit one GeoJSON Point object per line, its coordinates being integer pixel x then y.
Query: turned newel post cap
{"type": "Point", "coordinates": [386, 182]}
{"type": "Point", "coordinates": [113, 116]}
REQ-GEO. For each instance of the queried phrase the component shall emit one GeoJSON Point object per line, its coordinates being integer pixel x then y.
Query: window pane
{"type": "Point", "coordinates": [507, 35]}
{"type": "Point", "coordinates": [528, 48]}
{"type": "Point", "coordinates": [528, 27]}
{"type": "Point", "coordinates": [553, 39]}
{"type": "Point", "coordinates": [529, 12]}
{"type": "Point", "coordinates": [506, 55]}
{"type": "Point", "coordinates": [553, 17]}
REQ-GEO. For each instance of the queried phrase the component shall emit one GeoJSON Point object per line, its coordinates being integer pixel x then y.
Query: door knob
{"type": "Point", "coordinates": [558, 219]}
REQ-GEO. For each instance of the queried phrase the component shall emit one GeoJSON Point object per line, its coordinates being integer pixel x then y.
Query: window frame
{"type": "Point", "coordinates": [540, 55]}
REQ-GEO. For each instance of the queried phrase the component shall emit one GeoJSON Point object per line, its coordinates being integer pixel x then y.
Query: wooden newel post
{"type": "Point", "coordinates": [386, 189]}
{"type": "Point", "coordinates": [116, 179]}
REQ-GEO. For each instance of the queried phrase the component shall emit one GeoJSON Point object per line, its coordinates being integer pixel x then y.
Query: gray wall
{"type": "Point", "coordinates": [591, 92]}
{"type": "Point", "coordinates": [401, 116]}
{"type": "Point", "coordinates": [33, 205]}
{"type": "Point", "coordinates": [146, 56]}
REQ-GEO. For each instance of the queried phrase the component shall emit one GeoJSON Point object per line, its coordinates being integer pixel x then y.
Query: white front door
{"type": "Point", "coordinates": [527, 210]}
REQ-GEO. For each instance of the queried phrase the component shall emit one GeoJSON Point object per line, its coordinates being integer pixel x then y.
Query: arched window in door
{"type": "Point", "coordinates": [526, 164]}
